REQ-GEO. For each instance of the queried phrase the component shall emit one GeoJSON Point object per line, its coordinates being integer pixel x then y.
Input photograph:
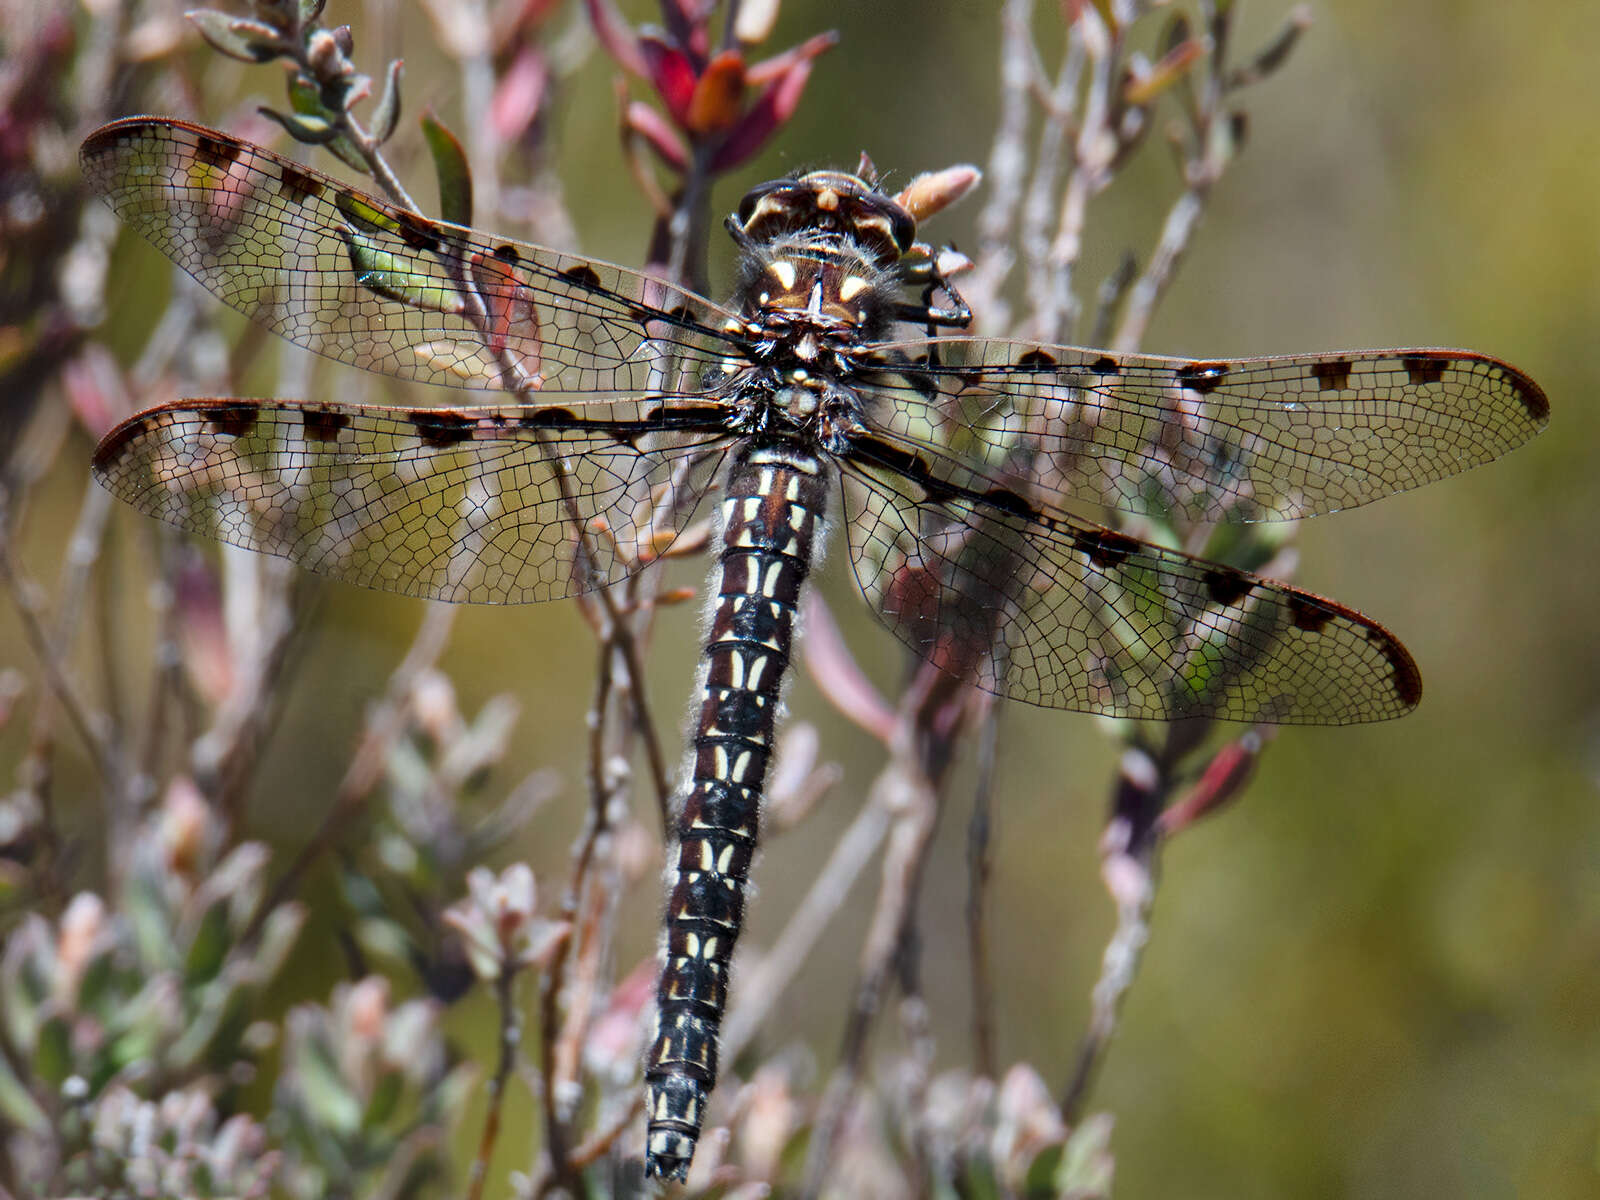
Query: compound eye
{"type": "Point", "coordinates": [755, 195]}
{"type": "Point", "coordinates": [904, 230]}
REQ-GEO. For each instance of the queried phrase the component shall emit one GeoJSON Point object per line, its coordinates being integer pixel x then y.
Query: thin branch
{"type": "Point", "coordinates": [1183, 218]}
{"type": "Point", "coordinates": [762, 983]}
{"type": "Point", "coordinates": [906, 792]}
{"type": "Point", "coordinates": [23, 591]}
{"type": "Point", "coordinates": [510, 1039]}
{"type": "Point", "coordinates": [979, 869]}
{"type": "Point", "coordinates": [602, 1142]}
{"type": "Point", "coordinates": [1006, 170]}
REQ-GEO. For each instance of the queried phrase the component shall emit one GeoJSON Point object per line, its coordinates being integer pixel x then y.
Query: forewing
{"type": "Point", "coordinates": [1040, 607]}
{"type": "Point", "coordinates": [1252, 439]}
{"type": "Point", "coordinates": [359, 280]}
{"type": "Point", "coordinates": [476, 504]}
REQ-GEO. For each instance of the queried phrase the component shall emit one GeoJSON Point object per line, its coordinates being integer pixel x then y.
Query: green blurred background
{"type": "Point", "coordinates": [1379, 975]}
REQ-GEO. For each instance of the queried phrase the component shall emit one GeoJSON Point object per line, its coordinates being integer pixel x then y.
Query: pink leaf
{"type": "Point", "coordinates": [661, 137]}
{"type": "Point", "coordinates": [521, 91]}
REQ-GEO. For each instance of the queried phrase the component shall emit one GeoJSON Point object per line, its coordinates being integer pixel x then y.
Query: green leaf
{"type": "Point", "coordinates": [1041, 1177]}
{"type": "Point", "coordinates": [17, 1105]}
{"type": "Point", "coordinates": [1087, 1168]}
{"type": "Point", "coordinates": [393, 277]}
{"type": "Point", "coordinates": [307, 100]}
{"type": "Point", "coordinates": [209, 949]}
{"type": "Point", "coordinates": [329, 1100]}
{"type": "Point", "coordinates": [310, 129]}
{"type": "Point", "coordinates": [450, 165]}
{"type": "Point", "coordinates": [238, 37]}
{"type": "Point", "coordinates": [278, 935]}
{"type": "Point", "coordinates": [978, 1180]}
{"type": "Point", "coordinates": [387, 115]}
{"type": "Point", "coordinates": [52, 1055]}
{"type": "Point", "coordinates": [24, 979]}
{"type": "Point", "coordinates": [385, 1100]}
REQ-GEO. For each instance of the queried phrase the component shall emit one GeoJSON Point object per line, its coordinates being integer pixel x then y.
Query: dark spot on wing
{"type": "Point", "coordinates": [1008, 501]}
{"type": "Point", "coordinates": [1407, 678]}
{"type": "Point", "coordinates": [1037, 358]}
{"type": "Point", "coordinates": [1106, 365]}
{"type": "Point", "coordinates": [937, 491]}
{"type": "Point", "coordinates": [233, 419]}
{"type": "Point", "coordinates": [1423, 368]}
{"type": "Point", "coordinates": [1106, 548]}
{"type": "Point", "coordinates": [1226, 587]}
{"type": "Point", "coordinates": [686, 416]}
{"type": "Point", "coordinates": [547, 418]}
{"type": "Point", "coordinates": [440, 427]}
{"type": "Point", "coordinates": [1307, 612]}
{"type": "Point", "coordinates": [583, 275]}
{"type": "Point", "coordinates": [323, 425]}
{"type": "Point", "coordinates": [297, 186]}
{"type": "Point", "coordinates": [1530, 393]}
{"type": "Point", "coordinates": [216, 153]}
{"type": "Point", "coordinates": [1333, 376]}
{"type": "Point", "coordinates": [507, 254]}
{"type": "Point", "coordinates": [1203, 376]}
{"type": "Point", "coordinates": [874, 452]}
{"type": "Point", "coordinates": [417, 232]}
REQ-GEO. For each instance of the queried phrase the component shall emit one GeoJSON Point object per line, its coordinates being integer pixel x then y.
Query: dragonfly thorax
{"type": "Point", "coordinates": [827, 288]}
{"type": "Point", "coordinates": [797, 406]}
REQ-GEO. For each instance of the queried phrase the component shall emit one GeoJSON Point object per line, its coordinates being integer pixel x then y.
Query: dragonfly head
{"type": "Point", "coordinates": [830, 203]}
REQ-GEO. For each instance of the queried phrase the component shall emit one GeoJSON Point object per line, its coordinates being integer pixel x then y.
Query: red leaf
{"type": "Point", "coordinates": [1224, 777]}
{"type": "Point", "coordinates": [670, 70]}
{"type": "Point", "coordinates": [774, 106]}
{"type": "Point", "coordinates": [714, 106]}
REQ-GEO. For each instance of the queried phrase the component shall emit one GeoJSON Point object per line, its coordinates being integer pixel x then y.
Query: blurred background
{"type": "Point", "coordinates": [1378, 974]}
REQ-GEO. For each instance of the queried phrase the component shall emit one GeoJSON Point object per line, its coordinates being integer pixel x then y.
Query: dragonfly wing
{"type": "Point", "coordinates": [1252, 439]}
{"type": "Point", "coordinates": [476, 505]}
{"type": "Point", "coordinates": [1037, 606]}
{"type": "Point", "coordinates": [364, 282]}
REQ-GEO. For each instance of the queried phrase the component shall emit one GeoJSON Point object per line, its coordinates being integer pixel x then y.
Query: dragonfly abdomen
{"type": "Point", "coordinates": [771, 519]}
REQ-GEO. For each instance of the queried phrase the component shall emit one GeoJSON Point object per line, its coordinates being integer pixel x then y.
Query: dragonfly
{"type": "Point", "coordinates": [835, 387]}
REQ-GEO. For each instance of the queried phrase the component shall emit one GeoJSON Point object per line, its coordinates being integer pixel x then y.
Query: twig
{"type": "Point", "coordinates": [510, 1039]}
{"type": "Point", "coordinates": [979, 867]}
{"type": "Point", "coordinates": [1053, 261]}
{"type": "Point", "coordinates": [760, 984]}
{"type": "Point", "coordinates": [1006, 170]}
{"type": "Point", "coordinates": [1176, 231]}
{"type": "Point", "coordinates": [905, 791]}
{"type": "Point", "coordinates": [626, 645]}
{"type": "Point", "coordinates": [1128, 854]}
{"type": "Point", "coordinates": [103, 755]}
{"type": "Point", "coordinates": [600, 1144]}
{"type": "Point", "coordinates": [603, 728]}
